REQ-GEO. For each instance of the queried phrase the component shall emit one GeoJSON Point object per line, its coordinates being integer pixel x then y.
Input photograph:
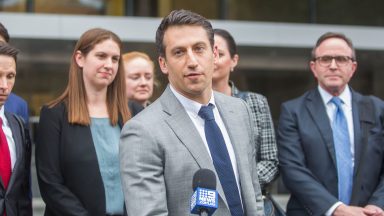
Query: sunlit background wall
{"type": "Point", "coordinates": [274, 37]}
{"type": "Point", "coordinates": [277, 71]}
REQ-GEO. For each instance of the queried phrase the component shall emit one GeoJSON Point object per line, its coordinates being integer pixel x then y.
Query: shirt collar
{"type": "Point", "coordinates": [2, 115]}
{"type": "Point", "coordinates": [191, 105]}
{"type": "Point", "coordinates": [345, 96]}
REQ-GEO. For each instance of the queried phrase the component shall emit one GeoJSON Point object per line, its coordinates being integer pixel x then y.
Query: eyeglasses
{"type": "Point", "coordinates": [326, 60]}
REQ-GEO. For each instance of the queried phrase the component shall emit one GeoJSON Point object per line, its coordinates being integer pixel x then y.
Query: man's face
{"type": "Point", "coordinates": [189, 61]}
{"type": "Point", "coordinates": [334, 77]}
{"type": "Point", "coordinates": [7, 77]}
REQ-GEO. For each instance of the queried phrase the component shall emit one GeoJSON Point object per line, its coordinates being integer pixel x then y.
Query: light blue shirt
{"type": "Point", "coordinates": [106, 140]}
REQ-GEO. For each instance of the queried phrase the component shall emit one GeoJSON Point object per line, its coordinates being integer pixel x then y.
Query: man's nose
{"type": "Point", "coordinates": [192, 61]}
{"type": "Point", "coordinates": [333, 63]}
{"type": "Point", "coordinates": [3, 83]}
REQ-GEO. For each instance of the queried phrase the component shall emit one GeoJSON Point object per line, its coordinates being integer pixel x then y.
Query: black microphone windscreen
{"type": "Point", "coordinates": [204, 178]}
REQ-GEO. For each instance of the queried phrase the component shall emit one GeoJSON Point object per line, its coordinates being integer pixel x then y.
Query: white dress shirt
{"type": "Point", "coordinates": [193, 108]}
{"type": "Point", "coordinates": [346, 98]}
{"type": "Point", "coordinates": [8, 134]}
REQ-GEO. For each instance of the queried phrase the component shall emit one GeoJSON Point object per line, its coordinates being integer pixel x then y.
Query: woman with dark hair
{"type": "Point", "coordinates": [267, 162]}
{"type": "Point", "coordinates": [78, 135]}
{"type": "Point", "coordinates": [266, 159]}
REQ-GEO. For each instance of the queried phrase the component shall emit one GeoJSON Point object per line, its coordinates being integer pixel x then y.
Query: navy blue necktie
{"type": "Point", "coordinates": [343, 152]}
{"type": "Point", "coordinates": [221, 160]}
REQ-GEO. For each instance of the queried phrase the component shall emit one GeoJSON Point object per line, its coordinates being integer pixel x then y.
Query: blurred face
{"type": "Point", "coordinates": [139, 79]}
{"type": "Point", "coordinates": [100, 65]}
{"type": "Point", "coordinates": [225, 64]}
{"type": "Point", "coordinates": [7, 77]}
{"type": "Point", "coordinates": [189, 61]}
{"type": "Point", "coordinates": [334, 77]}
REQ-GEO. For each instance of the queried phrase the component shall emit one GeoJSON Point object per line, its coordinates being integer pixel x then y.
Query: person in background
{"type": "Point", "coordinates": [14, 104]}
{"type": "Point", "coordinates": [330, 140]}
{"type": "Point", "coordinates": [139, 76]}
{"type": "Point", "coordinates": [163, 146]}
{"type": "Point", "coordinates": [78, 134]}
{"type": "Point", "coordinates": [265, 142]}
{"type": "Point", "coordinates": [15, 146]}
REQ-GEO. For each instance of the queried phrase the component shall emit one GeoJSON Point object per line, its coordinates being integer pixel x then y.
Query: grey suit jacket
{"type": "Point", "coordinates": [160, 150]}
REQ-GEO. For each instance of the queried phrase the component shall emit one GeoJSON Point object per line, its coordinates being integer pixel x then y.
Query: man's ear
{"type": "Point", "coordinates": [163, 65]}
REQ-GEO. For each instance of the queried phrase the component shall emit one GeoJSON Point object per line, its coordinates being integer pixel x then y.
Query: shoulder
{"type": "Point", "coordinates": [222, 97]}
{"type": "Point", "coordinates": [134, 107]}
{"type": "Point", "coordinates": [256, 100]}
{"type": "Point", "coordinates": [16, 99]}
{"type": "Point", "coordinates": [235, 105]}
{"type": "Point", "coordinates": [57, 111]}
{"type": "Point", "coordinates": [12, 118]}
{"type": "Point", "coordinates": [368, 102]}
{"type": "Point", "coordinates": [360, 97]}
{"type": "Point", "coordinates": [300, 101]}
{"type": "Point", "coordinates": [148, 115]}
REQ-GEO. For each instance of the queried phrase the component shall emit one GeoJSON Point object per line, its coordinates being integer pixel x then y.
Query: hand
{"type": "Point", "coordinates": [344, 210]}
{"type": "Point", "coordinates": [377, 210]}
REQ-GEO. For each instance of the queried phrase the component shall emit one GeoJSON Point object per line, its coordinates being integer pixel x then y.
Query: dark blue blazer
{"type": "Point", "coordinates": [17, 105]}
{"type": "Point", "coordinates": [307, 154]}
{"type": "Point", "coordinates": [16, 199]}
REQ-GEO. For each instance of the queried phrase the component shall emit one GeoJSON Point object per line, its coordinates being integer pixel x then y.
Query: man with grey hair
{"type": "Point", "coordinates": [330, 140]}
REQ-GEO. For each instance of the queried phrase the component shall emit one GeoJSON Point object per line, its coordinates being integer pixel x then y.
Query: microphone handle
{"type": "Point", "coordinates": [204, 213]}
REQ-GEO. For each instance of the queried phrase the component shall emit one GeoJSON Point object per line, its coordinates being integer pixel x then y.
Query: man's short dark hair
{"type": "Point", "coordinates": [179, 18]}
{"type": "Point", "coordinates": [4, 33]}
{"type": "Point", "coordinates": [8, 50]}
{"type": "Point", "coordinates": [329, 35]}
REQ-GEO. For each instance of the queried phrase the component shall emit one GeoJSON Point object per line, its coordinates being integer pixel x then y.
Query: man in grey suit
{"type": "Point", "coordinates": [330, 140]}
{"type": "Point", "coordinates": [162, 147]}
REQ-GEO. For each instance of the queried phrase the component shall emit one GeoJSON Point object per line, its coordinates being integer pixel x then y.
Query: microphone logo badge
{"type": "Point", "coordinates": [204, 198]}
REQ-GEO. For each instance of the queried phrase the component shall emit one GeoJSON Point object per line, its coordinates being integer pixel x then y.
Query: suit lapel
{"type": "Point", "coordinates": [363, 117]}
{"type": "Point", "coordinates": [232, 122]}
{"type": "Point", "coordinates": [185, 130]}
{"type": "Point", "coordinates": [18, 147]}
{"type": "Point", "coordinates": [316, 108]}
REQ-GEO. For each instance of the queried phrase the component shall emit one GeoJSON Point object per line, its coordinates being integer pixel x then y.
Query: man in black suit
{"type": "Point", "coordinates": [330, 140]}
{"type": "Point", "coordinates": [15, 149]}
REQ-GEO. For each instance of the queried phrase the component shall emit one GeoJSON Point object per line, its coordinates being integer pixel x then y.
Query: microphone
{"type": "Point", "coordinates": [204, 200]}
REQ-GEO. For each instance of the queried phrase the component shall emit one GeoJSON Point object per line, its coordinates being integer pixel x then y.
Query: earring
{"type": "Point", "coordinates": [232, 69]}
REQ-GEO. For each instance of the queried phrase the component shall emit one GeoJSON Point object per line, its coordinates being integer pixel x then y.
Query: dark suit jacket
{"type": "Point", "coordinates": [17, 199]}
{"type": "Point", "coordinates": [307, 154]}
{"type": "Point", "coordinates": [67, 167]}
